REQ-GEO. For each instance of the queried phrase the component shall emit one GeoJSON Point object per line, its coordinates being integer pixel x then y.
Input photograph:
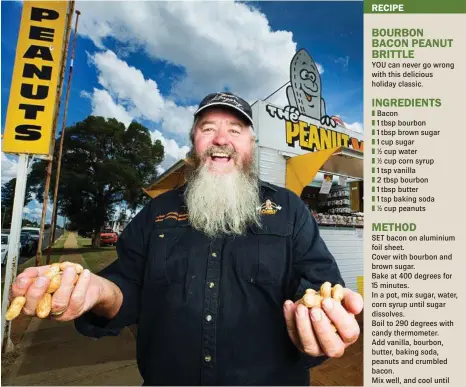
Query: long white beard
{"type": "Point", "coordinates": [222, 203]}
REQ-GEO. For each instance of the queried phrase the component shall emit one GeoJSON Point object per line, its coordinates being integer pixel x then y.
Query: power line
{"type": "Point", "coordinates": [281, 87]}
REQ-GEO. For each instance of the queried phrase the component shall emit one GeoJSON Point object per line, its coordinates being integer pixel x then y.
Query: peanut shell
{"type": "Point", "coordinates": [44, 306]}
{"type": "Point", "coordinates": [53, 271]}
{"type": "Point", "coordinates": [54, 283]}
{"type": "Point", "coordinates": [15, 308]}
{"type": "Point", "coordinates": [311, 300]}
{"type": "Point", "coordinates": [326, 290]}
{"type": "Point", "coordinates": [338, 292]}
{"type": "Point", "coordinates": [77, 266]}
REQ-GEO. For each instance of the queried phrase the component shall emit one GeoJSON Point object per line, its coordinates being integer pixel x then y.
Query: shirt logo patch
{"type": "Point", "coordinates": [269, 208]}
{"type": "Point", "coordinates": [171, 215]}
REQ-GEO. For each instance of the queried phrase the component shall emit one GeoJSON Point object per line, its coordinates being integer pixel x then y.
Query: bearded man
{"type": "Point", "coordinates": [211, 273]}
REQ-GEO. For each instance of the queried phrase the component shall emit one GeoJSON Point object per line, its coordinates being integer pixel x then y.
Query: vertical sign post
{"type": "Point", "coordinates": [13, 243]}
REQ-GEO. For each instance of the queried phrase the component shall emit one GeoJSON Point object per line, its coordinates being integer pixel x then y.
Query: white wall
{"type": "Point", "coordinates": [346, 245]}
{"type": "Point", "coordinates": [272, 166]}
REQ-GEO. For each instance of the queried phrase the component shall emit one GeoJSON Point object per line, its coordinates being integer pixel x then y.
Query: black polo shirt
{"type": "Point", "coordinates": [210, 311]}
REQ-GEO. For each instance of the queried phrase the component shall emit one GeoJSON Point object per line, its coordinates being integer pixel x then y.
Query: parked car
{"type": "Point", "coordinates": [108, 237]}
{"type": "Point", "coordinates": [28, 244]}
{"type": "Point", "coordinates": [33, 231]}
{"type": "Point", "coordinates": [5, 239]}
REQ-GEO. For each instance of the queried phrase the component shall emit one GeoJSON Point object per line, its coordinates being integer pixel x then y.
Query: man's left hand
{"type": "Point", "coordinates": [311, 330]}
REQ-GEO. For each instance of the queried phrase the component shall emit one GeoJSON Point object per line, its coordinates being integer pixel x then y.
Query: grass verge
{"type": "Point", "coordinates": [60, 243]}
{"type": "Point", "coordinates": [83, 242]}
{"type": "Point", "coordinates": [98, 260]}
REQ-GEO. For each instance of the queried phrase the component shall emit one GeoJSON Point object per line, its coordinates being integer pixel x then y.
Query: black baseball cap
{"type": "Point", "coordinates": [229, 100]}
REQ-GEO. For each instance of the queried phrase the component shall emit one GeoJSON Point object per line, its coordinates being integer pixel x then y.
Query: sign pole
{"type": "Point", "coordinates": [14, 246]}
{"type": "Point", "coordinates": [60, 150]}
{"type": "Point", "coordinates": [54, 129]}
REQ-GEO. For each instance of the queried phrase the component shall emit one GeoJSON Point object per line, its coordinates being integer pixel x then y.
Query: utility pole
{"type": "Point", "coordinates": [62, 138]}
{"type": "Point", "coordinates": [54, 130]}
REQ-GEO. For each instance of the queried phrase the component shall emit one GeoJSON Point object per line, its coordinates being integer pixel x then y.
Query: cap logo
{"type": "Point", "coordinates": [230, 100]}
{"type": "Point", "coordinates": [227, 99]}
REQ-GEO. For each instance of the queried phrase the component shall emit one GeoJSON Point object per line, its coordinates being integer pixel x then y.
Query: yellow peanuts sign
{"type": "Point", "coordinates": [33, 93]}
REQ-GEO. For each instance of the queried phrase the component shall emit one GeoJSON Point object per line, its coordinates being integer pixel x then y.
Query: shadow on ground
{"type": "Point", "coordinates": [82, 250]}
{"type": "Point", "coordinates": [66, 348]}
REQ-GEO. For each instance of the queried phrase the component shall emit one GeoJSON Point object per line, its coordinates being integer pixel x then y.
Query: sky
{"type": "Point", "coordinates": [154, 61]}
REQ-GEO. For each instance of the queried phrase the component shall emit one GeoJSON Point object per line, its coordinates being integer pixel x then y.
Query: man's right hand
{"type": "Point", "coordinates": [69, 301]}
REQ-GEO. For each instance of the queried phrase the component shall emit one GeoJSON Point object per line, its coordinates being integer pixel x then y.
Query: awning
{"type": "Point", "coordinates": [301, 170]}
{"type": "Point", "coordinates": [171, 179]}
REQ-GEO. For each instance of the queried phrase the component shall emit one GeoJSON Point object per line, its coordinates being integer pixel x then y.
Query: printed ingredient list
{"type": "Point", "coordinates": [415, 238]}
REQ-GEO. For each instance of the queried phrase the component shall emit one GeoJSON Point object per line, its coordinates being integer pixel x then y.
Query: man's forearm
{"type": "Point", "coordinates": [110, 300]}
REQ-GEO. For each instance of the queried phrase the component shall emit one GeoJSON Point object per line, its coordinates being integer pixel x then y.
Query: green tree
{"type": "Point", "coordinates": [103, 164]}
{"type": "Point", "coordinates": [8, 195]}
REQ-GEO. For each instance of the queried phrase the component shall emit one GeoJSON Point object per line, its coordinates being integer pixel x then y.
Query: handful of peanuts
{"type": "Point", "coordinates": [312, 299]}
{"type": "Point", "coordinates": [44, 306]}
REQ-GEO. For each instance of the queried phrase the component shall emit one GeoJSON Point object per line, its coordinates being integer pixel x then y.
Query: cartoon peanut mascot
{"type": "Point", "coordinates": [305, 92]}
